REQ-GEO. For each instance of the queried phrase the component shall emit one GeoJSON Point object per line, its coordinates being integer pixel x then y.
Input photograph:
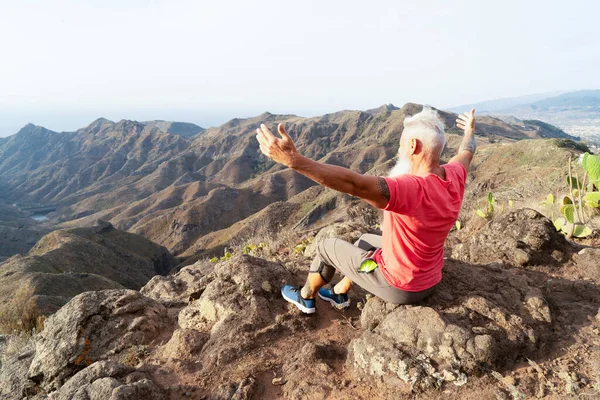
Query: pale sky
{"type": "Point", "coordinates": [66, 63]}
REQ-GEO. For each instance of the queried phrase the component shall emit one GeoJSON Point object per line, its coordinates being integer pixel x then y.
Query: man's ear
{"type": "Point", "coordinates": [415, 146]}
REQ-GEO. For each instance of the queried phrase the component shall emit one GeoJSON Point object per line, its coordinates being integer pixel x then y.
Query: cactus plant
{"type": "Point", "coordinates": [489, 212]}
{"type": "Point", "coordinates": [572, 223]}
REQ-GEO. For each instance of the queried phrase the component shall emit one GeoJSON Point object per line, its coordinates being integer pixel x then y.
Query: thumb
{"type": "Point", "coordinates": [282, 132]}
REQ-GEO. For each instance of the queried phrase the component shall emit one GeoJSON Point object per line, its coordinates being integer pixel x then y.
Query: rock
{"type": "Point", "coordinates": [92, 327]}
{"type": "Point", "coordinates": [374, 311]}
{"type": "Point", "coordinates": [185, 343]}
{"type": "Point", "coordinates": [495, 316]}
{"type": "Point", "coordinates": [13, 368]}
{"type": "Point", "coordinates": [520, 237]}
{"type": "Point", "coordinates": [236, 309]}
{"type": "Point", "coordinates": [187, 285]}
{"type": "Point", "coordinates": [236, 391]}
{"type": "Point", "coordinates": [108, 380]}
{"type": "Point", "coordinates": [278, 381]}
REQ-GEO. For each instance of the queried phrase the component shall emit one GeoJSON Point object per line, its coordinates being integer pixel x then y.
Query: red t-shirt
{"type": "Point", "coordinates": [416, 222]}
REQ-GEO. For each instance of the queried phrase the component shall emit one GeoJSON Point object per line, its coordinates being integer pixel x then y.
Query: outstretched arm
{"type": "Point", "coordinates": [372, 189]}
{"type": "Point", "coordinates": [468, 146]}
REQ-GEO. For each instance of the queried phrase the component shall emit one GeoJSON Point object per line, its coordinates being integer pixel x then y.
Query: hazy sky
{"type": "Point", "coordinates": [65, 63]}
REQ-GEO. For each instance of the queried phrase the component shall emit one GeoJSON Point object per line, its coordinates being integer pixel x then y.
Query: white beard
{"type": "Point", "coordinates": [402, 167]}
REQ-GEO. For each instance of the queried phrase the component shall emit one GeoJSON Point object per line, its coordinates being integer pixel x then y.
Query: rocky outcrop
{"type": "Point", "coordinates": [108, 380]}
{"type": "Point", "coordinates": [234, 307]}
{"type": "Point", "coordinates": [520, 237]}
{"type": "Point", "coordinates": [479, 317]}
{"type": "Point", "coordinates": [94, 326]}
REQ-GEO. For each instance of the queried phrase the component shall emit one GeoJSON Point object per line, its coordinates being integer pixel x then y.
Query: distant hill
{"type": "Point", "coordinates": [186, 129]}
{"type": "Point", "coordinates": [490, 106]}
{"type": "Point", "coordinates": [577, 113]}
{"type": "Point", "coordinates": [174, 189]}
{"type": "Point", "coordinates": [66, 262]}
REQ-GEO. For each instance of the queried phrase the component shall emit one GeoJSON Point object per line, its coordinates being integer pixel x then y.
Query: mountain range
{"type": "Point", "coordinates": [174, 189]}
{"type": "Point", "coordinates": [578, 112]}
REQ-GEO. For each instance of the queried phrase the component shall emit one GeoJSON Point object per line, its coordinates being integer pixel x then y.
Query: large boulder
{"type": "Point", "coordinates": [16, 353]}
{"type": "Point", "coordinates": [520, 237]}
{"type": "Point", "coordinates": [182, 287]}
{"type": "Point", "coordinates": [94, 326]}
{"type": "Point", "coordinates": [479, 317]}
{"type": "Point", "coordinates": [239, 308]}
{"type": "Point", "coordinates": [106, 380]}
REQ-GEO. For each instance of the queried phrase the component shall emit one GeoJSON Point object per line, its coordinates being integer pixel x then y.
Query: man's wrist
{"type": "Point", "coordinates": [294, 161]}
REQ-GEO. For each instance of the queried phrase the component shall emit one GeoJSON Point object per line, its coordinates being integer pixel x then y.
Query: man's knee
{"type": "Point", "coordinates": [325, 248]}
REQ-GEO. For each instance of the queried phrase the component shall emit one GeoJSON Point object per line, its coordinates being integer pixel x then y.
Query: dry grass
{"type": "Point", "coordinates": [20, 314]}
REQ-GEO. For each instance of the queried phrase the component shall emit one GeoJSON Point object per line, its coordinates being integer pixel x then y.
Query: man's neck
{"type": "Point", "coordinates": [424, 169]}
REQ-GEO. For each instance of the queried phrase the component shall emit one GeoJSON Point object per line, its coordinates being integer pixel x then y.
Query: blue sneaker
{"type": "Point", "coordinates": [339, 301]}
{"type": "Point", "coordinates": [292, 295]}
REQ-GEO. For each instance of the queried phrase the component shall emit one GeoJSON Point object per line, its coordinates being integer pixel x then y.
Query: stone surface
{"type": "Point", "coordinates": [108, 380]}
{"type": "Point", "coordinates": [237, 309]}
{"type": "Point", "coordinates": [478, 317]}
{"type": "Point", "coordinates": [92, 327]}
{"type": "Point", "coordinates": [186, 285]}
{"type": "Point", "coordinates": [520, 237]}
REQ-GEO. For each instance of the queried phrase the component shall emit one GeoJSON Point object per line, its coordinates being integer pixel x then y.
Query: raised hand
{"type": "Point", "coordinates": [279, 150]}
{"type": "Point", "coordinates": [466, 121]}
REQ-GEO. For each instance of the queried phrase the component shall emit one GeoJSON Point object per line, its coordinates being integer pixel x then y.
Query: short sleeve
{"type": "Point", "coordinates": [460, 171]}
{"type": "Point", "coordinates": [406, 193]}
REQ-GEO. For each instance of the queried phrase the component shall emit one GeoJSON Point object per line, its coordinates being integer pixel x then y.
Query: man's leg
{"type": "Point", "coordinates": [368, 241]}
{"type": "Point", "coordinates": [322, 268]}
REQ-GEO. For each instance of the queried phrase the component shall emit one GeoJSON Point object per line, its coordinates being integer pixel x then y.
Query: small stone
{"type": "Point", "coordinates": [510, 380]}
{"type": "Point", "coordinates": [278, 381]}
{"type": "Point", "coordinates": [188, 394]}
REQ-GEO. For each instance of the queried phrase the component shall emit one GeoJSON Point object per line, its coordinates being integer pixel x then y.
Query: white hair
{"type": "Point", "coordinates": [428, 128]}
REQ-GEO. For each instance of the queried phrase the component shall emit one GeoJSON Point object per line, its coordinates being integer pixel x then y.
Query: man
{"type": "Point", "coordinates": [421, 200]}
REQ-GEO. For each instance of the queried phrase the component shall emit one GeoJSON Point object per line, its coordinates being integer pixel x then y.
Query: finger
{"type": "Point", "coordinates": [461, 126]}
{"type": "Point", "coordinates": [463, 117]}
{"type": "Point", "coordinates": [261, 141]}
{"type": "Point", "coordinates": [267, 132]}
{"type": "Point", "coordinates": [282, 132]}
{"type": "Point", "coordinates": [263, 149]}
{"type": "Point", "coordinates": [472, 112]}
{"type": "Point", "coordinates": [262, 135]}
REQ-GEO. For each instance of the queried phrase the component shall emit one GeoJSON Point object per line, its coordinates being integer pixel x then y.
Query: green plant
{"type": "Point", "coordinates": [489, 212]}
{"type": "Point", "coordinates": [214, 260]}
{"type": "Point", "coordinates": [581, 192]}
{"type": "Point", "coordinates": [226, 256]}
{"type": "Point", "coordinates": [300, 247]}
{"type": "Point", "coordinates": [458, 225]}
{"type": "Point", "coordinates": [253, 249]}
